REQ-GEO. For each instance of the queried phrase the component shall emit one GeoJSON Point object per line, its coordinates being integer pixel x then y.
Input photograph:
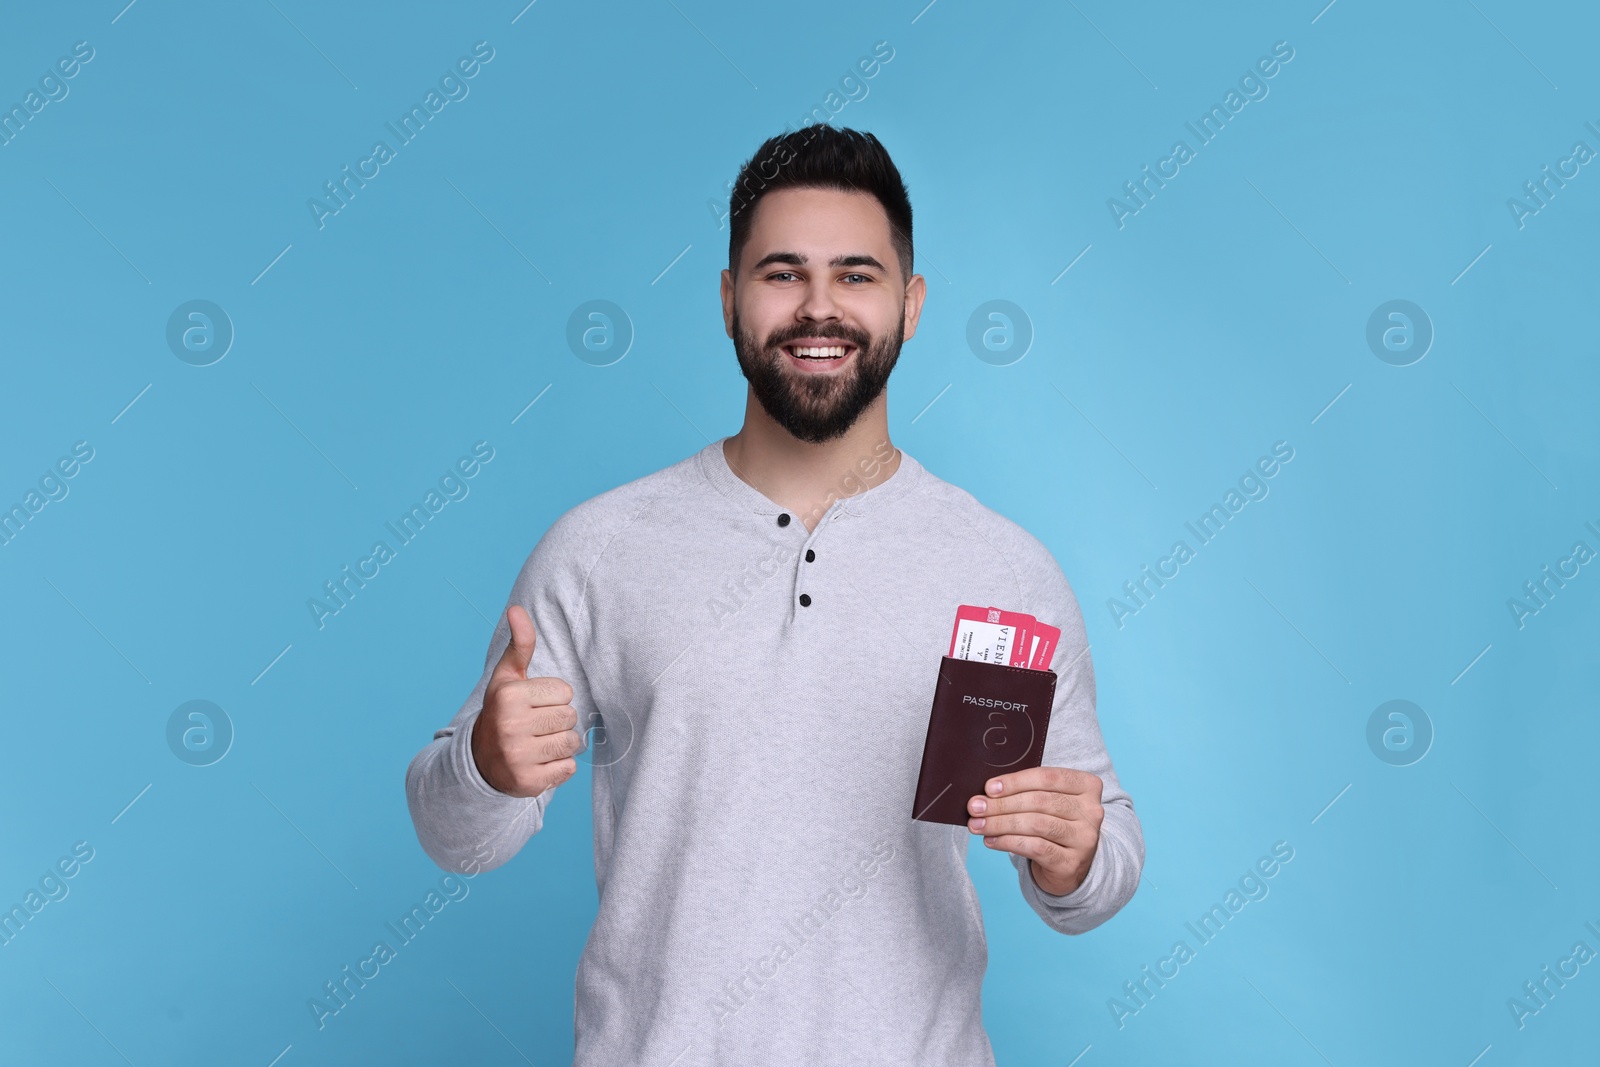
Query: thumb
{"type": "Point", "coordinates": [513, 663]}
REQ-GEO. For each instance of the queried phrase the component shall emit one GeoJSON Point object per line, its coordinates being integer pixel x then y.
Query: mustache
{"type": "Point", "coordinates": [832, 333]}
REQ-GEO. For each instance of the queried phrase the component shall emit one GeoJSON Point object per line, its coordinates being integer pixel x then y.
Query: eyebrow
{"type": "Point", "coordinates": [794, 259]}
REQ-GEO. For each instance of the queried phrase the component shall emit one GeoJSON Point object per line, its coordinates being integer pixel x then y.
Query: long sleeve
{"type": "Point", "coordinates": [1074, 740]}
{"type": "Point", "coordinates": [463, 823]}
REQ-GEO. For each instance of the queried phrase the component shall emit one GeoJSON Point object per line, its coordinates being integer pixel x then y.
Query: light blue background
{"type": "Point", "coordinates": [1225, 316]}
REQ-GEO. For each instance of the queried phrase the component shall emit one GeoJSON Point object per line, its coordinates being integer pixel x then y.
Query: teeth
{"type": "Point", "coordinates": [834, 352]}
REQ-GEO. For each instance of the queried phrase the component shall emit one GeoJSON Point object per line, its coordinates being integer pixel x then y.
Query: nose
{"type": "Point", "coordinates": [818, 303]}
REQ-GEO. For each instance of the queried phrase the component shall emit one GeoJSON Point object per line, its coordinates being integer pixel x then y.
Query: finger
{"type": "Point", "coordinates": [516, 721]}
{"type": "Point", "coordinates": [1053, 779]}
{"type": "Point", "coordinates": [546, 721]}
{"type": "Point", "coordinates": [1030, 824]}
{"type": "Point", "coordinates": [514, 661]}
{"type": "Point", "coordinates": [558, 746]}
{"type": "Point", "coordinates": [541, 746]}
{"type": "Point", "coordinates": [538, 692]}
{"type": "Point", "coordinates": [535, 780]}
{"type": "Point", "coordinates": [1071, 806]}
{"type": "Point", "coordinates": [1038, 849]}
{"type": "Point", "coordinates": [1063, 838]}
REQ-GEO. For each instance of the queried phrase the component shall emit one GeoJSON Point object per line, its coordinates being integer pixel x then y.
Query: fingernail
{"type": "Point", "coordinates": [979, 806]}
{"type": "Point", "coordinates": [977, 824]}
{"type": "Point", "coordinates": [995, 787]}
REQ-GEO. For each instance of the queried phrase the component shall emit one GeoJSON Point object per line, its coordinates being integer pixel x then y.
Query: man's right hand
{"type": "Point", "coordinates": [524, 739]}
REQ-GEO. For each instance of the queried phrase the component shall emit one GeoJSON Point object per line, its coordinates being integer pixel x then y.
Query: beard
{"type": "Point", "coordinates": [817, 407]}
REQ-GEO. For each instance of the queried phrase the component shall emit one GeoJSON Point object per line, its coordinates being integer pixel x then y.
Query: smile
{"type": "Point", "coordinates": [815, 357]}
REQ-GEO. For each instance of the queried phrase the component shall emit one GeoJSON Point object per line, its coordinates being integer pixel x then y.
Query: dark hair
{"type": "Point", "coordinates": [822, 157]}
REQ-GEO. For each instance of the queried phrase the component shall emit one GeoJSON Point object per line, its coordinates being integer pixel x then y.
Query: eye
{"type": "Point", "coordinates": [863, 277]}
{"type": "Point", "coordinates": [781, 275]}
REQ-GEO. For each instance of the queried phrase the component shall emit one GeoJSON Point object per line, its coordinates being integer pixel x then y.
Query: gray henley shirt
{"type": "Point", "coordinates": [755, 697]}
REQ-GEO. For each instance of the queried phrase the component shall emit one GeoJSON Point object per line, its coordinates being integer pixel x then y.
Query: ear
{"type": "Point", "coordinates": [727, 302]}
{"type": "Point", "coordinates": [916, 292]}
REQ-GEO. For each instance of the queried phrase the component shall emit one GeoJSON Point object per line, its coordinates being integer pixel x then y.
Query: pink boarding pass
{"type": "Point", "coordinates": [992, 635]}
{"type": "Point", "coordinates": [1045, 637]}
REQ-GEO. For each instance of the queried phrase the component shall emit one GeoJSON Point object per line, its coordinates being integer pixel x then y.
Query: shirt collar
{"type": "Point", "coordinates": [714, 464]}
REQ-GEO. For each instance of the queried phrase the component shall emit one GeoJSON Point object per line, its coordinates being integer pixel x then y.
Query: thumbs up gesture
{"type": "Point", "coordinates": [524, 739]}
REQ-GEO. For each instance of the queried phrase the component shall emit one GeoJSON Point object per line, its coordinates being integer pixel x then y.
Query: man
{"type": "Point", "coordinates": [751, 639]}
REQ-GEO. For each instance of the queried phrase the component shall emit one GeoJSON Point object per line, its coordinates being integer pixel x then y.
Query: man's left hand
{"type": "Point", "coordinates": [1051, 815]}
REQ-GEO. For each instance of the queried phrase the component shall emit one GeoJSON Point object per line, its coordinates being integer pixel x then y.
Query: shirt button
{"type": "Point", "coordinates": [810, 556]}
{"type": "Point", "coordinates": [783, 520]}
{"type": "Point", "coordinates": [805, 600]}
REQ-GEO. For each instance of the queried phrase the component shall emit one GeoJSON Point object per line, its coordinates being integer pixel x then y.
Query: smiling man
{"type": "Point", "coordinates": [746, 644]}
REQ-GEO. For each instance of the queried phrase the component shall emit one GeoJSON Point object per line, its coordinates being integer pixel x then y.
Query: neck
{"type": "Point", "coordinates": [806, 478]}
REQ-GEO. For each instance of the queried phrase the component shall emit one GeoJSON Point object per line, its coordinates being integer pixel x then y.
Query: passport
{"type": "Point", "coordinates": [987, 719]}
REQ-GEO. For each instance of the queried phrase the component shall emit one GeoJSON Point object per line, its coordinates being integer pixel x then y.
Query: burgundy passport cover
{"type": "Point", "coordinates": [987, 720]}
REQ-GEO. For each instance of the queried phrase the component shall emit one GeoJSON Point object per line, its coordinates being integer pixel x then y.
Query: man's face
{"type": "Point", "coordinates": [817, 276]}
